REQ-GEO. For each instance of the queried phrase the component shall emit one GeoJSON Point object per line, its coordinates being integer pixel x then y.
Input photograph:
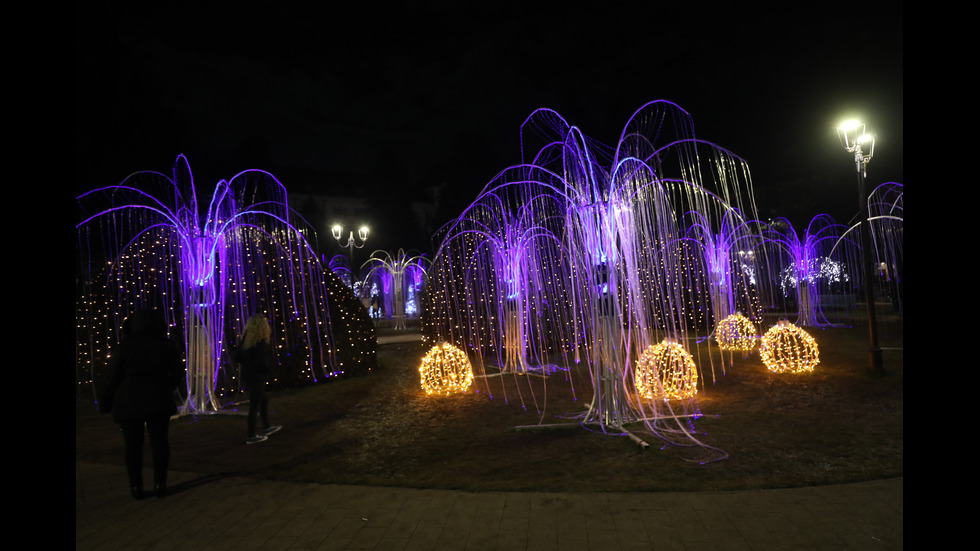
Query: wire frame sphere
{"type": "Point", "coordinates": [786, 348]}
{"type": "Point", "coordinates": [445, 370]}
{"type": "Point", "coordinates": [666, 371]}
{"type": "Point", "coordinates": [736, 333]}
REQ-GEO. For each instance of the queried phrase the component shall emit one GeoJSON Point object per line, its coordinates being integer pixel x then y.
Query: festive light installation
{"type": "Point", "coordinates": [666, 371]}
{"type": "Point", "coordinates": [401, 277]}
{"type": "Point", "coordinates": [736, 333]}
{"type": "Point", "coordinates": [445, 370]}
{"type": "Point", "coordinates": [340, 265]}
{"type": "Point", "coordinates": [501, 242]}
{"type": "Point", "coordinates": [208, 270]}
{"type": "Point", "coordinates": [813, 265]}
{"type": "Point", "coordinates": [786, 348]}
{"type": "Point", "coordinates": [611, 270]}
{"type": "Point", "coordinates": [886, 216]}
{"type": "Point", "coordinates": [730, 277]}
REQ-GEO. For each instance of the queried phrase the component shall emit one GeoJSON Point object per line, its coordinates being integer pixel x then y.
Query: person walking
{"type": "Point", "coordinates": [144, 373]}
{"type": "Point", "coordinates": [255, 357]}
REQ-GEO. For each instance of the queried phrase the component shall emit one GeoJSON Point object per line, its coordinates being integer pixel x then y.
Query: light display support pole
{"type": "Point", "coordinates": [362, 234]}
{"type": "Point", "coordinates": [853, 136]}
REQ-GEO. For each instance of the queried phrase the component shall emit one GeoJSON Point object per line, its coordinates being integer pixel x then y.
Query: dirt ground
{"type": "Point", "coordinates": [838, 424]}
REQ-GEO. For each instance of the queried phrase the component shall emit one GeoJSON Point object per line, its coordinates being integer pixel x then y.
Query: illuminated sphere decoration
{"type": "Point", "coordinates": [786, 348]}
{"type": "Point", "coordinates": [666, 371]}
{"type": "Point", "coordinates": [446, 370]}
{"type": "Point", "coordinates": [736, 332]}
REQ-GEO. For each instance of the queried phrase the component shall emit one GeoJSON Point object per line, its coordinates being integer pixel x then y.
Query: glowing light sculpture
{"type": "Point", "coordinates": [500, 253]}
{"type": "Point", "coordinates": [445, 370]}
{"type": "Point", "coordinates": [615, 273]}
{"type": "Point", "coordinates": [340, 265]}
{"type": "Point", "coordinates": [812, 265]}
{"type": "Point", "coordinates": [736, 333]}
{"type": "Point", "coordinates": [785, 348]}
{"type": "Point", "coordinates": [886, 216]}
{"type": "Point", "coordinates": [665, 371]}
{"type": "Point", "coordinates": [207, 270]}
{"type": "Point", "coordinates": [400, 277]}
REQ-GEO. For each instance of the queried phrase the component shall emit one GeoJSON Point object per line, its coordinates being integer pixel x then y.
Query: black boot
{"type": "Point", "coordinates": [160, 489]}
{"type": "Point", "coordinates": [136, 491]}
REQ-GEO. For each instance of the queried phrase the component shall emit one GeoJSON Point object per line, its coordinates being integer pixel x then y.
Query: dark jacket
{"type": "Point", "coordinates": [256, 362]}
{"type": "Point", "coordinates": [143, 373]}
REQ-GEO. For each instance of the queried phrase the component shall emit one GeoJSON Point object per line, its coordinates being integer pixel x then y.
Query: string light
{"type": "Point", "coordinates": [736, 332]}
{"type": "Point", "coordinates": [666, 371]}
{"type": "Point", "coordinates": [207, 276]}
{"type": "Point", "coordinates": [445, 370]}
{"type": "Point", "coordinates": [786, 348]}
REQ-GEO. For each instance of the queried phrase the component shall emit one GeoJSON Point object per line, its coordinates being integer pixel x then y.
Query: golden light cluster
{"type": "Point", "coordinates": [446, 370]}
{"type": "Point", "coordinates": [666, 371]}
{"type": "Point", "coordinates": [736, 332]}
{"type": "Point", "coordinates": [786, 348]}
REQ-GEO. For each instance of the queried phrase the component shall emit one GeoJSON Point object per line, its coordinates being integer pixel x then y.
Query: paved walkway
{"type": "Point", "coordinates": [236, 513]}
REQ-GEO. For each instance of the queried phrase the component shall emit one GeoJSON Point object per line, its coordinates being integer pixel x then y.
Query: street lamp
{"type": "Point", "coordinates": [362, 234]}
{"type": "Point", "coordinates": [858, 142]}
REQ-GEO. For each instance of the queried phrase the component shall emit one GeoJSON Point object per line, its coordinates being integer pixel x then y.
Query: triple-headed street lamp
{"type": "Point", "coordinates": [857, 141]}
{"type": "Point", "coordinates": [362, 234]}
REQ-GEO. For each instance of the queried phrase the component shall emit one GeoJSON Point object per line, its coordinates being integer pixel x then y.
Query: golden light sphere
{"type": "Point", "coordinates": [666, 371]}
{"type": "Point", "coordinates": [446, 370]}
{"type": "Point", "coordinates": [736, 332]}
{"type": "Point", "coordinates": [786, 348]}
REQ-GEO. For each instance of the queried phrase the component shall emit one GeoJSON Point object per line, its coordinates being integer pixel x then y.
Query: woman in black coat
{"type": "Point", "coordinates": [143, 375]}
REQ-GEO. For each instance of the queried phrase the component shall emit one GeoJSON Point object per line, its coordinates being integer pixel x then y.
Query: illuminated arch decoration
{"type": "Point", "coordinates": [736, 333]}
{"type": "Point", "coordinates": [786, 348]}
{"type": "Point", "coordinates": [147, 243]}
{"type": "Point", "coordinates": [666, 371]}
{"type": "Point", "coordinates": [445, 370]}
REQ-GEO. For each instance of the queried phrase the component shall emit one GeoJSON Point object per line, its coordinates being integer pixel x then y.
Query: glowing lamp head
{"type": "Point", "coordinates": [786, 348]}
{"type": "Point", "coordinates": [336, 229]}
{"type": "Point", "coordinates": [736, 332]}
{"type": "Point", "coordinates": [362, 233]}
{"type": "Point", "coordinates": [446, 370]}
{"type": "Point", "coordinates": [854, 137]}
{"type": "Point", "coordinates": [666, 371]}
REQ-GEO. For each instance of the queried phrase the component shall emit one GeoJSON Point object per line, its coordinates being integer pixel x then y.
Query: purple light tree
{"type": "Point", "coordinates": [501, 243]}
{"type": "Point", "coordinates": [400, 277]}
{"type": "Point", "coordinates": [886, 216]}
{"type": "Point", "coordinates": [811, 265]}
{"type": "Point", "coordinates": [621, 276]}
{"type": "Point", "coordinates": [206, 269]}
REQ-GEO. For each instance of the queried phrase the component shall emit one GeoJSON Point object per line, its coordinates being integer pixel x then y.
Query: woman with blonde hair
{"type": "Point", "coordinates": [255, 357]}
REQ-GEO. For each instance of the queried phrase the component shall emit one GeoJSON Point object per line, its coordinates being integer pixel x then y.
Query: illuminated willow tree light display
{"type": "Point", "coordinates": [503, 248]}
{"type": "Point", "coordinates": [728, 248]}
{"type": "Point", "coordinates": [207, 271]}
{"type": "Point", "coordinates": [591, 240]}
{"type": "Point", "coordinates": [399, 278]}
{"type": "Point", "coordinates": [886, 215]}
{"type": "Point", "coordinates": [341, 266]}
{"type": "Point", "coordinates": [812, 266]}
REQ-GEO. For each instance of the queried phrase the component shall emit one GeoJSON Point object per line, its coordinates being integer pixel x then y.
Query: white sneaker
{"type": "Point", "coordinates": [256, 439]}
{"type": "Point", "coordinates": [272, 430]}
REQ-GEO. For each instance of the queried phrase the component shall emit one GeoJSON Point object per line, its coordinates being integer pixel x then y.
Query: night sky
{"type": "Point", "coordinates": [366, 101]}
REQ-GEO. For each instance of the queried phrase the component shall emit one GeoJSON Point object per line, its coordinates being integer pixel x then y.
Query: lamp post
{"type": "Point", "coordinates": [362, 234]}
{"type": "Point", "coordinates": [854, 139]}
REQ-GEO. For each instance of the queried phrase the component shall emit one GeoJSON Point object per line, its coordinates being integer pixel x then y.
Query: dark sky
{"type": "Point", "coordinates": [381, 103]}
